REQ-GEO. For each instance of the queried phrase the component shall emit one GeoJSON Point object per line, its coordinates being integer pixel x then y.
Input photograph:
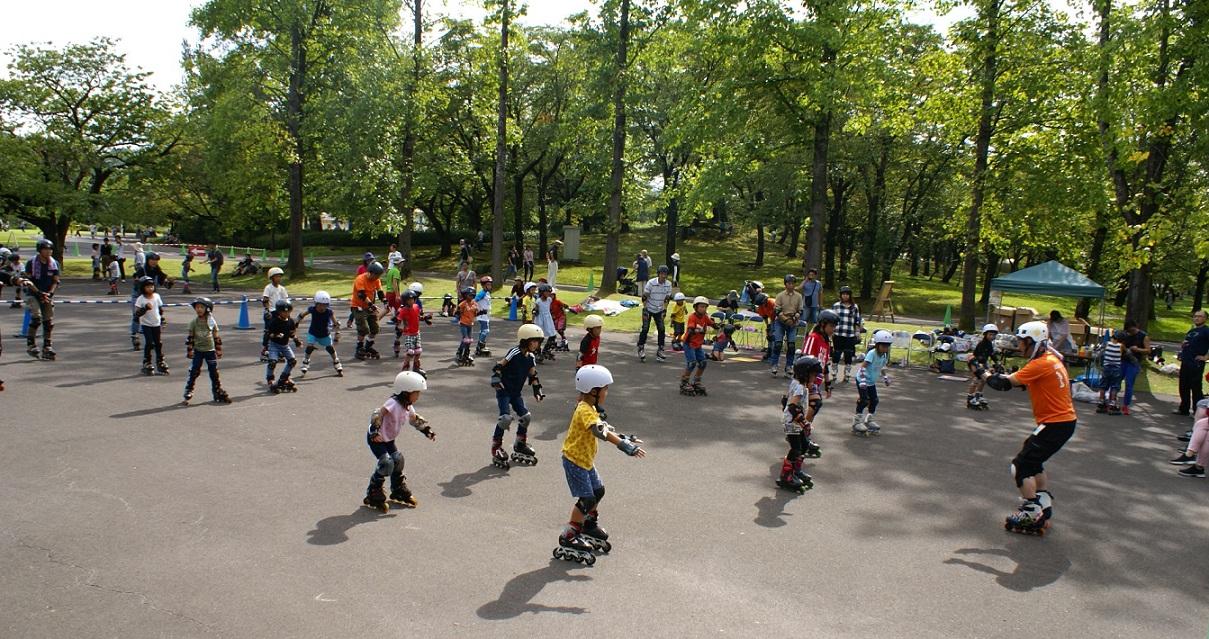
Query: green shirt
{"type": "Point", "coordinates": [202, 331]}
{"type": "Point", "coordinates": [392, 276]}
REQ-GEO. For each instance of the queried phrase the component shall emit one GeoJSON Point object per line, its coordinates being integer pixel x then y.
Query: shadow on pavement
{"type": "Point", "coordinates": [515, 599]}
{"type": "Point", "coordinates": [460, 485]}
{"type": "Point", "coordinates": [1035, 565]}
{"type": "Point", "coordinates": [770, 511]}
{"type": "Point", "coordinates": [334, 530]}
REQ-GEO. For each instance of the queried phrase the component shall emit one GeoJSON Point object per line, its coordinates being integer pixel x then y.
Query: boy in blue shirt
{"type": "Point", "coordinates": [866, 381]}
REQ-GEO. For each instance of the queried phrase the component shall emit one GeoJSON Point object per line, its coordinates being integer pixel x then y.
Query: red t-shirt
{"type": "Point", "coordinates": [818, 347]}
{"type": "Point", "coordinates": [409, 319]}
{"type": "Point", "coordinates": [589, 347]}
{"type": "Point", "coordinates": [700, 321]}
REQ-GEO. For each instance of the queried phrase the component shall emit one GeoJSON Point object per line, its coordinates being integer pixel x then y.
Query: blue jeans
{"type": "Point", "coordinates": [1130, 372]}
{"type": "Point", "coordinates": [782, 334]}
{"type": "Point", "coordinates": [484, 330]}
{"type": "Point", "coordinates": [810, 314]}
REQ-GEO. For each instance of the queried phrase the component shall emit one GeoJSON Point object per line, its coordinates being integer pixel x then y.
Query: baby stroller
{"type": "Point", "coordinates": [626, 285]}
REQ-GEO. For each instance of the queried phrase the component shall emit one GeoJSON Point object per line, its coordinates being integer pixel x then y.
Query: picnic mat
{"type": "Point", "coordinates": [608, 307]}
{"type": "Point", "coordinates": [953, 378]}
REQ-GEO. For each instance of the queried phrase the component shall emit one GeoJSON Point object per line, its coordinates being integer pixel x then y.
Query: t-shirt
{"type": "Point", "coordinates": [115, 270]}
{"type": "Point", "coordinates": [1048, 388]}
{"type": "Point", "coordinates": [320, 322]}
{"type": "Point", "coordinates": [656, 293]}
{"type": "Point", "coordinates": [274, 293]}
{"type": "Point", "coordinates": [984, 350]}
{"type": "Point", "coordinates": [589, 347]}
{"type": "Point", "coordinates": [392, 276]}
{"type": "Point", "coordinates": [467, 310]}
{"type": "Point", "coordinates": [795, 390]}
{"type": "Point", "coordinates": [280, 330]}
{"type": "Point", "coordinates": [581, 443]}
{"type": "Point", "coordinates": [202, 331]}
{"type": "Point", "coordinates": [810, 292]}
{"type": "Point", "coordinates": [817, 346]}
{"type": "Point", "coordinates": [216, 258]}
{"type": "Point", "coordinates": [678, 311]}
{"type": "Point", "coordinates": [464, 279]}
{"type": "Point", "coordinates": [700, 321]}
{"type": "Point", "coordinates": [409, 319]}
{"type": "Point", "coordinates": [1198, 344]}
{"type": "Point", "coordinates": [364, 284]}
{"type": "Point", "coordinates": [517, 366]}
{"type": "Point", "coordinates": [394, 416]}
{"type": "Point", "coordinates": [642, 268]}
{"type": "Point", "coordinates": [483, 301]}
{"type": "Point", "coordinates": [42, 275]}
{"type": "Point", "coordinates": [788, 303]}
{"type": "Point", "coordinates": [152, 317]}
{"type": "Point", "coordinates": [872, 370]}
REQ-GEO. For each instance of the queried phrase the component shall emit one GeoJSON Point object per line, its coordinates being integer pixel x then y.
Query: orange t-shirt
{"type": "Point", "coordinates": [467, 311]}
{"type": "Point", "coordinates": [371, 288]}
{"type": "Point", "coordinates": [1048, 388]}
{"type": "Point", "coordinates": [767, 310]}
{"type": "Point", "coordinates": [702, 321]}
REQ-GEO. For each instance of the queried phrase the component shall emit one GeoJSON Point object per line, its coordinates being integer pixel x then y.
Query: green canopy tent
{"type": "Point", "coordinates": [1050, 278]}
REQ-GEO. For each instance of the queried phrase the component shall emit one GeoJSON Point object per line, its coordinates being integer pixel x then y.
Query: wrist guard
{"type": "Point", "coordinates": [999, 382]}
{"type": "Point", "coordinates": [537, 392]}
{"type": "Point", "coordinates": [628, 447]}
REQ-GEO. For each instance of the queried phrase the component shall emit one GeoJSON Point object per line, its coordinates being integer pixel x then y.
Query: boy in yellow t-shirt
{"type": "Point", "coordinates": [677, 311]}
{"type": "Point", "coordinates": [583, 534]}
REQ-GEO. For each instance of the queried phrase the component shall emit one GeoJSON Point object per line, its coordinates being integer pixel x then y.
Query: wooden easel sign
{"type": "Point", "coordinates": [884, 305]}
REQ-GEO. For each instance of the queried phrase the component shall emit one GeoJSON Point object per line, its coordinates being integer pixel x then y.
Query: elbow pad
{"type": "Point", "coordinates": [361, 295]}
{"type": "Point", "coordinates": [999, 382]}
{"type": "Point", "coordinates": [795, 412]}
{"type": "Point", "coordinates": [602, 429]}
{"type": "Point", "coordinates": [381, 296]}
{"type": "Point", "coordinates": [375, 422]}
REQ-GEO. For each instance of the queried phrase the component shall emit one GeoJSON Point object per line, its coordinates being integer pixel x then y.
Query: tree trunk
{"type": "Point", "coordinates": [608, 280]}
{"type": "Point", "coordinates": [1198, 293]}
{"type": "Point", "coordinates": [296, 265]}
{"type": "Point", "coordinates": [406, 191]}
{"type": "Point", "coordinates": [501, 151]}
{"type": "Point", "coordinates": [839, 199]}
{"type": "Point", "coordinates": [671, 212]}
{"type": "Point", "coordinates": [794, 232]}
{"type": "Point", "coordinates": [1083, 308]}
{"type": "Point", "coordinates": [818, 187]}
{"type": "Point", "coordinates": [518, 197]}
{"type": "Point", "coordinates": [759, 245]}
{"type": "Point", "coordinates": [991, 273]}
{"type": "Point", "coordinates": [982, 145]}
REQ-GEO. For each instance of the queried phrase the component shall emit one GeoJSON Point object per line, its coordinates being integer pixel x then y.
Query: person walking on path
{"type": "Point", "coordinates": [514, 263]}
{"type": "Point", "coordinates": [1049, 392]}
{"type": "Point", "coordinates": [552, 263]}
{"type": "Point", "coordinates": [214, 259]}
{"type": "Point", "coordinates": [642, 266]}
{"type": "Point", "coordinates": [812, 292]}
{"type": "Point", "coordinates": [1194, 350]}
{"type": "Point", "coordinates": [528, 264]}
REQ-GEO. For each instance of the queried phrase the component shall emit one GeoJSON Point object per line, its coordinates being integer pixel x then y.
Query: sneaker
{"type": "Point", "coordinates": [1125, 410]}
{"type": "Point", "coordinates": [1181, 413]}
{"type": "Point", "coordinates": [773, 370]}
{"type": "Point", "coordinates": [1193, 471]}
{"type": "Point", "coordinates": [1185, 437]}
{"type": "Point", "coordinates": [1183, 460]}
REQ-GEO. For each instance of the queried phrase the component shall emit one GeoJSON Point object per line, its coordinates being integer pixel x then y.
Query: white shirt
{"type": "Point", "coordinates": [656, 293]}
{"type": "Point", "coordinates": [152, 317]}
{"type": "Point", "coordinates": [274, 293]}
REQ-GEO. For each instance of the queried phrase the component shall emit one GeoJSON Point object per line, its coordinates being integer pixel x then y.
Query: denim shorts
{"type": "Point", "coordinates": [583, 483]}
{"type": "Point", "coordinates": [1110, 378]}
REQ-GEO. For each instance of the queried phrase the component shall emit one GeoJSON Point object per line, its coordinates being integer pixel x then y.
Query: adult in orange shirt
{"type": "Point", "coordinates": [1049, 390]}
{"type": "Point", "coordinates": [766, 307]}
{"type": "Point", "coordinates": [366, 291]}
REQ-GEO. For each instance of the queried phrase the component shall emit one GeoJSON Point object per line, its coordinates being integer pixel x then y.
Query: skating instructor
{"type": "Point", "coordinates": [1049, 390]}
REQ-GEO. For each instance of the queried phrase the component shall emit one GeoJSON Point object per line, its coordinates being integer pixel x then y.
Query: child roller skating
{"type": "Point", "coordinates": [148, 312]}
{"type": "Point", "coordinates": [281, 331]}
{"type": "Point", "coordinates": [273, 293]}
{"type": "Point", "coordinates": [202, 344]}
{"type": "Point", "coordinates": [558, 311]}
{"type": "Point", "coordinates": [508, 378]}
{"type": "Point", "coordinates": [384, 427]}
{"type": "Point", "coordinates": [697, 323]}
{"type": "Point", "coordinates": [984, 352]}
{"type": "Point", "coordinates": [847, 330]}
{"type": "Point", "coordinates": [543, 318]}
{"type": "Point", "coordinates": [582, 536]}
{"type": "Point", "coordinates": [41, 277]}
{"type": "Point", "coordinates": [467, 311]}
{"type": "Point", "coordinates": [367, 289]}
{"type": "Point", "coordinates": [322, 332]}
{"type": "Point", "coordinates": [818, 346]}
{"type": "Point", "coordinates": [407, 331]}
{"type": "Point", "coordinates": [867, 373]}
{"type": "Point", "coordinates": [483, 303]}
{"type": "Point", "coordinates": [677, 311]}
{"type": "Point", "coordinates": [806, 372]}
{"type": "Point", "coordinates": [589, 346]}
{"type": "Point", "coordinates": [1049, 391]}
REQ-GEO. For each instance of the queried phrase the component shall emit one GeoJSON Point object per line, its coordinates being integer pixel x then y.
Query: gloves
{"type": "Point", "coordinates": [537, 392]}
{"type": "Point", "coordinates": [297, 343]}
{"type": "Point", "coordinates": [428, 319]}
{"type": "Point", "coordinates": [496, 382]}
{"type": "Point", "coordinates": [189, 353]}
{"type": "Point", "coordinates": [886, 380]}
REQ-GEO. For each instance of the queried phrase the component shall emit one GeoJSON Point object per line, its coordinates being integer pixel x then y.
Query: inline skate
{"type": "Point", "coordinates": [561, 347]}
{"type": "Point", "coordinates": [572, 548]}
{"type": "Point", "coordinates": [148, 370]}
{"type": "Point", "coordinates": [982, 402]}
{"type": "Point", "coordinates": [687, 388]}
{"type": "Point", "coordinates": [596, 536]}
{"type": "Point", "coordinates": [31, 347]}
{"type": "Point", "coordinates": [641, 353]}
{"type": "Point", "coordinates": [306, 366]}
{"type": "Point", "coordinates": [370, 351]}
{"type": "Point", "coordinates": [660, 356]}
{"type": "Point", "coordinates": [48, 352]}
{"type": "Point", "coordinates": [400, 494]}
{"type": "Point", "coordinates": [375, 497]}
{"type": "Point", "coordinates": [1030, 519]}
{"type": "Point", "coordinates": [499, 458]}
{"type": "Point", "coordinates": [806, 479]}
{"type": "Point", "coordinates": [523, 453]}
{"type": "Point", "coordinates": [188, 396]}
{"type": "Point", "coordinates": [264, 355]}
{"type": "Point", "coordinates": [859, 429]}
{"type": "Point", "coordinates": [1113, 409]}
{"type": "Point", "coordinates": [1102, 407]}
{"type": "Point", "coordinates": [972, 403]}
{"type": "Point", "coordinates": [789, 480]}
{"type": "Point", "coordinates": [161, 368]}
{"type": "Point", "coordinates": [812, 450]}
{"type": "Point", "coordinates": [481, 350]}
{"type": "Point", "coordinates": [221, 397]}
{"type": "Point", "coordinates": [283, 385]}
{"type": "Point", "coordinates": [699, 387]}
{"type": "Point", "coordinates": [874, 429]}
{"type": "Point", "coordinates": [338, 367]}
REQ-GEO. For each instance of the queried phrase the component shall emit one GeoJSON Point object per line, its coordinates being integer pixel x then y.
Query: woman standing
{"type": "Point", "coordinates": [847, 330]}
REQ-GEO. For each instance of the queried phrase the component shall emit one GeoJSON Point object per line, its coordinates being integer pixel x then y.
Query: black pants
{"type": "Point", "coordinates": [646, 327]}
{"type": "Point", "coordinates": [528, 271]}
{"type": "Point", "coordinates": [151, 342]}
{"type": "Point", "coordinates": [1191, 374]}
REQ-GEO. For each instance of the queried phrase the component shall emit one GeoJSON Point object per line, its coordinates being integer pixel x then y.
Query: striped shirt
{"type": "Point", "coordinates": [656, 294]}
{"type": "Point", "coordinates": [1112, 355]}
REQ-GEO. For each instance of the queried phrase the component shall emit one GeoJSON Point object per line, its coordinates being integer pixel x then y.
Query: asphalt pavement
{"type": "Point", "coordinates": [125, 514]}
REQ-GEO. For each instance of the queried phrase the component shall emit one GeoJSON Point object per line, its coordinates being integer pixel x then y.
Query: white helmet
{"type": "Point", "coordinates": [530, 286]}
{"type": "Point", "coordinates": [675, 256]}
{"type": "Point", "coordinates": [1035, 331]}
{"type": "Point", "coordinates": [5, 253]}
{"type": "Point", "coordinates": [945, 347]}
{"type": "Point", "coordinates": [409, 381]}
{"type": "Point", "coordinates": [990, 328]}
{"type": "Point", "coordinates": [529, 331]}
{"type": "Point", "coordinates": [275, 271]}
{"type": "Point", "coordinates": [701, 299]}
{"type": "Point", "coordinates": [592, 376]}
{"type": "Point", "coordinates": [323, 297]}
{"type": "Point", "coordinates": [678, 297]}
{"type": "Point", "coordinates": [416, 288]}
{"type": "Point", "coordinates": [593, 321]}
{"type": "Point", "coordinates": [882, 337]}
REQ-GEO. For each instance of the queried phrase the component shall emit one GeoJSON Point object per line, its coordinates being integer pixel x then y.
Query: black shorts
{"type": "Point", "coordinates": [1045, 441]}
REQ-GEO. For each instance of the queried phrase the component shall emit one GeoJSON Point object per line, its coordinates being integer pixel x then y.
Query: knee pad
{"type": "Point", "coordinates": [815, 402]}
{"type": "Point", "coordinates": [504, 422]}
{"type": "Point", "coordinates": [291, 361]}
{"type": "Point", "coordinates": [418, 351]}
{"type": "Point", "coordinates": [586, 505]}
{"type": "Point", "coordinates": [1023, 469]}
{"type": "Point", "coordinates": [599, 494]}
{"type": "Point", "coordinates": [386, 465]}
{"type": "Point", "coordinates": [397, 458]}
{"type": "Point", "coordinates": [466, 340]}
{"type": "Point", "coordinates": [523, 421]}
{"type": "Point", "coordinates": [411, 352]}
{"type": "Point", "coordinates": [701, 365]}
{"type": "Point", "coordinates": [331, 350]}
{"type": "Point", "coordinates": [689, 366]}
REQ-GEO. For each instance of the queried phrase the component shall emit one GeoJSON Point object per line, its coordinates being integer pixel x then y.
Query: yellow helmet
{"type": "Point", "coordinates": [593, 321]}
